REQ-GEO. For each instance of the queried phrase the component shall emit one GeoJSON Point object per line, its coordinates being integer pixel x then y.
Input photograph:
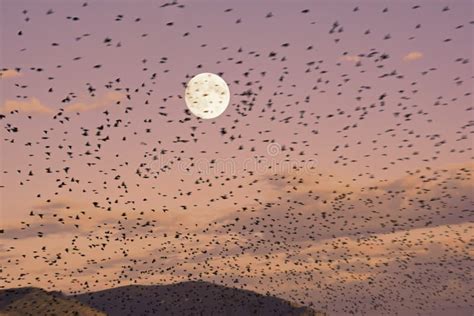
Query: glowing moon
{"type": "Point", "coordinates": [207, 95]}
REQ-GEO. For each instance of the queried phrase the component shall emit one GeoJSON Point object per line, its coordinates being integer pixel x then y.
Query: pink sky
{"type": "Point", "coordinates": [347, 157]}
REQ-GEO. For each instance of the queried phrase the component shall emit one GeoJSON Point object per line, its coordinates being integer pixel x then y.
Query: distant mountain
{"type": "Point", "coordinates": [34, 301]}
{"type": "Point", "coordinates": [190, 298]}
{"type": "Point", "coordinates": [183, 299]}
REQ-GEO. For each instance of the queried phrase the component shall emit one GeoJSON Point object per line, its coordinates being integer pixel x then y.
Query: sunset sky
{"type": "Point", "coordinates": [340, 175]}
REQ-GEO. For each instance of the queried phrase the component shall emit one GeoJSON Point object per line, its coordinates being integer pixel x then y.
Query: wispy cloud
{"type": "Point", "coordinates": [31, 105]}
{"type": "Point", "coordinates": [9, 73]}
{"type": "Point", "coordinates": [413, 56]}
{"type": "Point", "coordinates": [105, 100]}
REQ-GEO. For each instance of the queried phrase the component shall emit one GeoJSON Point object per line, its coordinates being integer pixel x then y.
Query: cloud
{"type": "Point", "coordinates": [56, 205]}
{"type": "Point", "coordinates": [413, 56]}
{"type": "Point", "coordinates": [32, 105]}
{"type": "Point", "coordinates": [9, 73]}
{"type": "Point", "coordinates": [361, 212]}
{"type": "Point", "coordinates": [53, 218]}
{"type": "Point", "coordinates": [34, 229]}
{"type": "Point", "coordinates": [35, 105]}
{"type": "Point", "coordinates": [106, 100]}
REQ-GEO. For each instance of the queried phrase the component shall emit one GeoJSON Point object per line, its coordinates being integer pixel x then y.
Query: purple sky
{"type": "Point", "coordinates": [345, 153]}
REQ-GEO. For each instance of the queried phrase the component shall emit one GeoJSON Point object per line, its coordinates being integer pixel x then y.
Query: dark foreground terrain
{"type": "Point", "coordinates": [187, 298]}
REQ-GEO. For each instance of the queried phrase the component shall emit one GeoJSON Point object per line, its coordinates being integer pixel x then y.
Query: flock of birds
{"type": "Point", "coordinates": [154, 211]}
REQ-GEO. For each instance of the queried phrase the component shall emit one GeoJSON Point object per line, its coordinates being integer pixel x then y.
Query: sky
{"type": "Point", "coordinates": [340, 175]}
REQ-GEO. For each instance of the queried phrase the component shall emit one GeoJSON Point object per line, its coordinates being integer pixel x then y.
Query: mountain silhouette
{"type": "Point", "coordinates": [186, 298]}
{"type": "Point", "coordinates": [30, 301]}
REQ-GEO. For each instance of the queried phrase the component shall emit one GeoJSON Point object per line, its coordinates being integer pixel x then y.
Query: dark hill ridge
{"type": "Point", "coordinates": [34, 301]}
{"type": "Point", "coordinates": [183, 299]}
{"type": "Point", "coordinates": [190, 298]}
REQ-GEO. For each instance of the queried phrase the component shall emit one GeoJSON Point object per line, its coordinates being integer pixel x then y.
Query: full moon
{"type": "Point", "coordinates": [207, 95]}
